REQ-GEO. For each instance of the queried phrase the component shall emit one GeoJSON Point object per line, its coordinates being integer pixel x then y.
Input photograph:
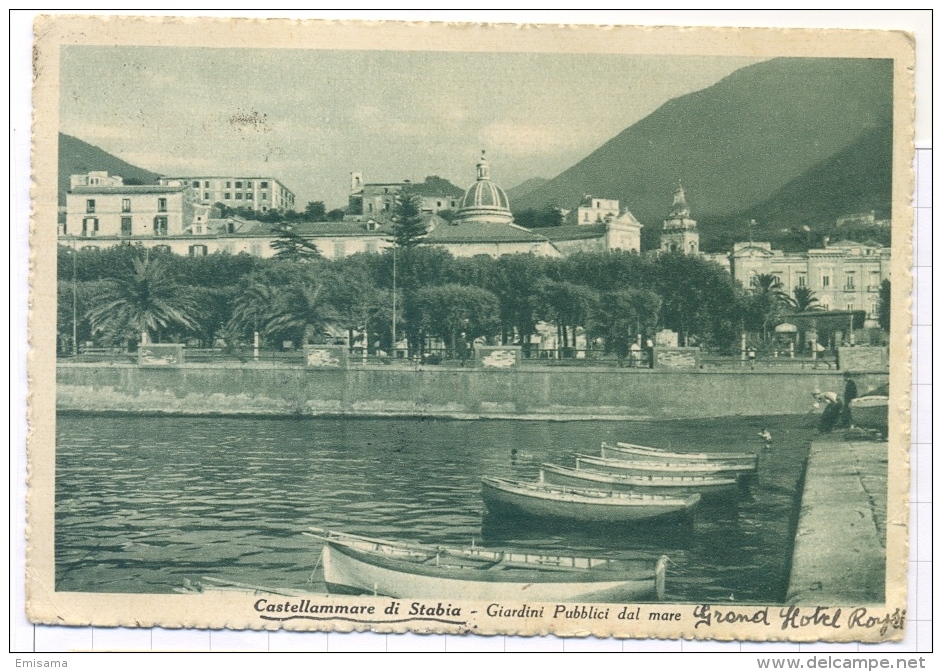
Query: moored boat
{"type": "Point", "coordinates": [589, 473]}
{"type": "Point", "coordinates": [749, 460]}
{"type": "Point", "coordinates": [361, 565]}
{"type": "Point", "coordinates": [669, 466]}
{"type": "Point", "coordinates": [871, 411]}
{"type": "Point", "coordinates": [587, 504]}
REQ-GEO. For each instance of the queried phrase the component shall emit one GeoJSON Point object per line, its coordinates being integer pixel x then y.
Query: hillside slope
{"type": "Point", "coordinates": [77, 156]}
{"type": "Point", "coordinates": [739, 143]}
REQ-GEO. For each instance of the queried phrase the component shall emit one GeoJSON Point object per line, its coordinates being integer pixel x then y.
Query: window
{"type": "Point", "coordinates": [850, 306]}
{"type": "Point", "coordinates": [874, 307]}
{"type": "Point", "coordinates": [90, 205]}
{"type": "Point", "coordinates": [160, 226]}
{"type": "Point", "coordinates": [248, 196]}
{"type": "Point", "coordinates": [825, 280]}
{"type": "Point", "coordinates": [196, 184]}
{"type": "Point", "coordinates": [256, 250]}
{"type": "Point", "coordinates": [125, 205]}
{"type": "Point", "coordinates": [369, 207]}
{"type": "Point", "coordinates": [227, 196]}
{"type": "Point", "coordinates": [850, 281]}
{"type": "Point", "coordinates": [206, 184]}
{"type": "Point", "coordinates": [90, 226]}
{"type": "Point", "coordinates": [228, 185]}
{"type": "Point", "coordinates": [161, 205]}
{"type": "Point", "coordinates": [439, 203]}
{"type": "Point", "coordinates": [248, 184]}
{"type": "Point", "coordinates": [264, 197]}
{"type": "Point", "coordinates": [238, 184]}
{"type": "Point", "coordinates": [162, 248]}
{"type": "Point", "coordinates": [874, 284]}
{"type": "Point", "coordinates": [206, 196]}
{"type": "Point", "coordinates": [238, 196]}
{"type": "Point", "coordinates": [197, 250]}
{"type": "Point", "coordinates": [263, 185]}
{"type": "Point", "coordinates": [802, 280]}
{"type": "Point", "coordinates": [125, 226]}
{"type": "Point", "coordinates": [371, 246]}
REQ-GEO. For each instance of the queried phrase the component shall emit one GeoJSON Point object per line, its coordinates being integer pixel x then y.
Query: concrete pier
{"type": "Point", "coordinates": [840, 542]}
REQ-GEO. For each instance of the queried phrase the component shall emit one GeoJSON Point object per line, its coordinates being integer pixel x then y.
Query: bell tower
{"type": "Point", "coordinates": [680, 231]}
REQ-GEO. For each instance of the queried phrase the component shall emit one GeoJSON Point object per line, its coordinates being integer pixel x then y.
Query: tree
{"type": "Point", "coordinates": [451, 310]}
{"type": "Point", "coordinates": [803, 299]}
{"type": "Point", "coordinates": [517, 280]}
{"type": "Point", "coordinates": [254, 308]}
{"type": "Point", "coordinates": [883, 310]}
{"type": "Point", "coordinates": [336, 215]}
{"type": "Point", "coordinates": [301, 312]}
{"type": "Point", "coordinates": [569, 306]}
{"type": "Point", "coordinates": [699, 298]}
{"type": "Point", "coordinates": [353, 298]}
{"type": "Point", "coordinates": [764, 307]}
{"type": "Point", "coordinates": [144, 303]}
{"type": "Point", "coordinates": [290, 246]}
{"type": "Point", "coordinates": [623, 315]}
{"type": "Point", "coordinates": [315, 211]}
{"type": "Point", "coordinates": [408, 227]}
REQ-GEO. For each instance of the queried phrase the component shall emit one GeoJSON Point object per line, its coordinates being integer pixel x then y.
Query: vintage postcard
{"type": "Point", "coordinates": [454, 328]}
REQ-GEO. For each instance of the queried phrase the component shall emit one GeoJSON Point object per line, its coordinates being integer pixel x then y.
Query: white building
{"type": "Point", "coordinates": [256, 193]}
{"type": "Point", "coordinates": [844, 275]}
{"type": "Point", "coordinates": [99, 206]}
{"type": "Point", "coordinates": [596, 210]}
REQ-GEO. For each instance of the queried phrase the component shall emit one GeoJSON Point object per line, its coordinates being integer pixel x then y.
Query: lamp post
{"type": "Point", "coordinates": [74, 304]}
{"type": "Point", "coordinates": [394, 306]}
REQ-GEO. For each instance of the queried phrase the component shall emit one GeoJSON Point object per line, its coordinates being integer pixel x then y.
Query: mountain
{"type": "Point", "coordinates": [738, 144]}
{"type": "Point", "coordinates": [856, 179]}
{"type": "Point", "coordinates": [77, 156]}
{"type": "Point", "coordinates": [524, 188]}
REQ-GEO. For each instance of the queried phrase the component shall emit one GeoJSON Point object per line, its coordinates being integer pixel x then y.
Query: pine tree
{"type": "Point", "coordinates": [408, 227]}
{"type": "Point", "coordinates": [290, 246]}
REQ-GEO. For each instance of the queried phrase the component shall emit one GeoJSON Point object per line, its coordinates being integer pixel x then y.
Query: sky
{"type": "Point", "coordinates": [311, 117]}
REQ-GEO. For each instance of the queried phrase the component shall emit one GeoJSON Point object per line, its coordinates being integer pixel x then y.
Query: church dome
{"type": "Point", "coordinates": [484, 201]}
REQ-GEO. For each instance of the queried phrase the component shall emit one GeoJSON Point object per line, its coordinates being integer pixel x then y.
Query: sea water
{"type": "Point", "coordinates": [150, 504]}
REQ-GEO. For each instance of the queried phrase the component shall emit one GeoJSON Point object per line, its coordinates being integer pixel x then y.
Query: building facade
{"type": "Point", "coordinates": [377, 200]}
{"type": "Point", "coordinates": [101, 207]}
{"type": "Point", "coordinates": [844, 275]}
{"type": "Point", "coordinates": [596, 210]}
{"type": "Point", "coordinates": [256, 193]}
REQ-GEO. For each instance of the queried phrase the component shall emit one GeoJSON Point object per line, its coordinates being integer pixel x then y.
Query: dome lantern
{"type": "Point", "coordinates": [484, 201]}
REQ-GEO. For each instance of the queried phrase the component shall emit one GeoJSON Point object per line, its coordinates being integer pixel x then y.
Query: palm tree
{"type": "Point", "coordinates": [803, 299]}
{"type": "Point", "coordinates": [768, 300]}
{"type": "Point", "coordinates": [254, 309]}
{"type": "Point", "coordinates": [145, 302]}
{"type": "Point", "coordinates": [300, 310]}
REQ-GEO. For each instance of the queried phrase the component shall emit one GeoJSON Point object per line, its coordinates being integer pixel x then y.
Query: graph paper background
{"type": "Point", "coordinates": [27, 638]}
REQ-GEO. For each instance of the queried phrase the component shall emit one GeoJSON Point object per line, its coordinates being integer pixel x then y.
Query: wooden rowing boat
{"type": "Point", "coordinates": [586, 503]}
{"type": "Point", "coordinates": [647, 468]}
{"type": "Point", "coordinates": [361, 565]}
{"type": "Point", "coordinates": [747, 460]}
{"type": "Point", "coordinates": [591, 473]}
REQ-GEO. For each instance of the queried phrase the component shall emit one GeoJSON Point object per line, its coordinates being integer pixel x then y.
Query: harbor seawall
{"type": "Point", "coordinates": [525, 392]}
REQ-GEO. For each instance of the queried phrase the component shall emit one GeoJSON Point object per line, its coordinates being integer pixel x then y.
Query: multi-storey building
{"type": "Point", "coordinates": [99, 206]}
{"type": "Point", "coordinates": [256, 193]}
{"type": "Point", "coordinates": [377, 200]}
{"type": "Point", "coordinates": [844, 275]}
{"type": "Point", "coordinates": [596, 210]}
